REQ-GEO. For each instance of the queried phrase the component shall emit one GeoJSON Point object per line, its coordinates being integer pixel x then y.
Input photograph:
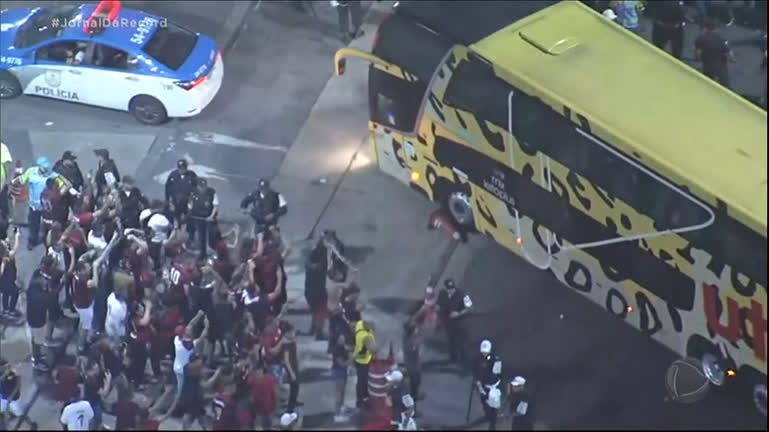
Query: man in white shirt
{"type": "Point", "coordinates": [184, 344]}
{"type": "Point", "coordinates": [77, 415]}
{"type": "Point", "coordinates": [158, 226]}
{"type": "Point", "coordinates": [117, 312]}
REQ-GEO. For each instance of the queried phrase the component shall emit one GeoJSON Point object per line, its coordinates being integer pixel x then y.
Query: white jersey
{"type": "Point", "coordinates": [117, 312]}
{"type": "Point", "coordinates": [160, 226]}
{"type": "Point", "coordinates": [181, 355]}
{"type": "Point", "coordinates": [77, 416]}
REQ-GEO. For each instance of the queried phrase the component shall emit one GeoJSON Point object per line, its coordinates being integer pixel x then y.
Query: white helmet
{"type": "Point", "coordinates": [485, 346]}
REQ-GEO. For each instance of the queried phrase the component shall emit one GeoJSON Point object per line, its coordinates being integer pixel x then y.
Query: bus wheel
{"type": "Point", "coordinates": [460, 208]}
{"type": "Point", "coordinates": [759, 397]}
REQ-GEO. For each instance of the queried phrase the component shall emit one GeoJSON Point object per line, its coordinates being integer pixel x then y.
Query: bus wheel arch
{"type": "Point", "coordinates": [456, 201]}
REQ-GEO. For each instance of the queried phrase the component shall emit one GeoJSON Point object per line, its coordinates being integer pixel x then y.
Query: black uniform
{"type": "Point", "coordinates": [104, 168]}
{"type": "Point", "coordinates": [179, 187]}
{"type": "Point", "coordinates": [455, 327]}
{"type": "Point", "coordinates": [71, 172]}
{"type": "Point", "coordinates": [489, 374]}
{"type": "Point", "coordinates": [714, 51]}
{"type": "Point", "coordinates": [669, 20]}
{"type": "Point", "coordinates": [348, 11]}
{"type": "Point", "coordinates": [131, 205]}
{"type": "Point", "coordinates": [202, 203]}
{"type": "Point", "coordinates": [520, 411]}
{"type": "Point", "coordinates": [266, 207]}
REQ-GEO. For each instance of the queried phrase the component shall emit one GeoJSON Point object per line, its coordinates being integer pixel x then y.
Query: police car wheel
{"type": "Point", "coordinates": [148, 110]}
{"type": "Point", "coordinates": [9, 85]}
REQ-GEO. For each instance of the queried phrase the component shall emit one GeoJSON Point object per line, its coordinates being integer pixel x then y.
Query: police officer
{"type": "Point", "coordinates": [68, 168]}
{"type": "Point", "coordinates": [454, 306]}
{"type": "Point", "coordinates": [520, 405]}
{"type": "Point", "coordinates": [267, 206]}
{"type": "Point", "coordinates": [203, 205]}
{"type": "Point", "coordinates": [714, 52]}
{"type": "Point", "coordinates": [179, 186]}
{"type": "Point", "coordinates": [488, 377]}
{"type": "Point", "coordinates": [669, 21]}
{"type": "Point", "coordinates": [107, 174]}
{"type": "Point", "coordinates": [401, 401]}
{"type": "Point", "coordinates": [132, 202]}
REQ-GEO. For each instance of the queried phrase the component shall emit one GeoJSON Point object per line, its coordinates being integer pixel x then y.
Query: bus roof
{"type": "Point", "coordinates": [664, 110]}
{"type": "Point", "coordinates": [466, 22]}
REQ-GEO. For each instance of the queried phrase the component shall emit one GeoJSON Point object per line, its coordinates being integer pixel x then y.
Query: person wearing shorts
{"type": "Point", "coordinates": [340, 363]}
{"type": "Point", "coordinates": [82, 298]}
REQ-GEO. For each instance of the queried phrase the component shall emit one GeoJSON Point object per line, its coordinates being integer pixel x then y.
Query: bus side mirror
{"type": "Point", "coordinates": [340, 65]}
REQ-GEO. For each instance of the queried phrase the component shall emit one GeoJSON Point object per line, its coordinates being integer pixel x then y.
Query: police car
{"type": "Point", "coordinates": [108, 56]}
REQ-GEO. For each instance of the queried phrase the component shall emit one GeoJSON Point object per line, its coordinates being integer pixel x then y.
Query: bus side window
{"type": "Point", "coordinates": [743, 249]}
{"type": "Point", "coordinates": [394, 102]}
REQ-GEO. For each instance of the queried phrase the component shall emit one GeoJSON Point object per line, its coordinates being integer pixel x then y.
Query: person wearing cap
{"type": "Point", "coordinates": [179, 186]}
{"type": "Point", "coordinates": [520, 405]}
{"type": "Point", "coordinates": [157, 225]}
{"type": "Point", "coordinates": [266, 205]}
{"type": "Point", "coordinates": [35, 178]}
{"type": "Point", "coordinates": [107, 174]}
{"type": "Point", "coordinates": [401, 401]}
{"type": "Point", "coordinates": [68, 168]}
{"type": "Point", "coordinates": [610, 15]}
{"type": "Point", "coordinates": [132, 202]}
{"type": "Point", "coordinates": [453, 306]}
{"type": "Point", "coordinates": [488, 377]}
{"type": "Point", "coordinates": [204, 206]}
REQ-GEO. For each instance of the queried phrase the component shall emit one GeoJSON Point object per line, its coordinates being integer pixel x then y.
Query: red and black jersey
{"type": "Point", "coordinates": [181, 275]}
{"type": "Point", "coordinates": [225, 413]}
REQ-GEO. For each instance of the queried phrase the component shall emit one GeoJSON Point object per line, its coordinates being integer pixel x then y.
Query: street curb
{"type": "Point", "coordinates": [235, 24]}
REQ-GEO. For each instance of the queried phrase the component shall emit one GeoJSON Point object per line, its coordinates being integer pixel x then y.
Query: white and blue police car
{"type": "Point", "coordinates": [108, 56]}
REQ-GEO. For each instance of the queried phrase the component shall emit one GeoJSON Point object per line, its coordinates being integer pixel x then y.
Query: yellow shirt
{"type": "Point", "coordinates": [361, 354]}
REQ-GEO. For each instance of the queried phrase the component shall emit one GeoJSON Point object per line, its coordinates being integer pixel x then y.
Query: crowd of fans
{"type": "Point", "coordinates": [156, 313]}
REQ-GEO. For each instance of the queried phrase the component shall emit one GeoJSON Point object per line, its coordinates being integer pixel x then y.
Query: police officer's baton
{"type": "Point", "coordinates": [470, 401]}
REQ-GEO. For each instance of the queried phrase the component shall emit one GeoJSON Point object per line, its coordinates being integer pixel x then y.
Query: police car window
{"type": "Point", "coordinates": [171, 45]}
{"type": "Point", "coordinates": [65, 52]}
{"type": "Point", "coordinates": [46, 24]}
{"type": "Point", "coordinates": [108, 57]}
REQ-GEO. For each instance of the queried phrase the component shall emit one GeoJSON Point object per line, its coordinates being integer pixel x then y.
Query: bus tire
{"type": "Point", "coordinates": [9, 85]}
{"type": "Point", "coordinates": [459, 206]}
{"type": "Point", "coordinates": [759, 397]}
{"type": "Point", "coordinates": [148, 110]}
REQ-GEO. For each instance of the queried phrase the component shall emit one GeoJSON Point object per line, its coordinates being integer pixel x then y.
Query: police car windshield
{"type": "Point", "coordinates": [44, 25]}
{"type": "Point", "coordinates": [171, 45]}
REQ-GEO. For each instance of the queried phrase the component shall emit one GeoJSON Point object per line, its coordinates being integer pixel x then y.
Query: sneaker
{"type": "Point", "coordinates": [15, 314]}
{"type": "Point", "coordinates": [341, 418]}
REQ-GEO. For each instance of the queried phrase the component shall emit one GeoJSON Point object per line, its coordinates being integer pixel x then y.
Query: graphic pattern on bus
{"type": "Point", "coordinates": [678, 294]}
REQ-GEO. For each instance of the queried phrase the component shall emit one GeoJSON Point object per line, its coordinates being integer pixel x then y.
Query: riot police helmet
{"type": "Point", "coordinates": [263, 184]}
{"type": "Point", "coordinates": [449, 283]}
{"type": "Point", "coordinates": [181, 164]}
{"type": "Point", "coordinates": [202, 183]}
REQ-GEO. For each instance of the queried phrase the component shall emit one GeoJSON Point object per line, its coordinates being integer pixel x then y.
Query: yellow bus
{"type": "Point", "coordinates": [631, 177]}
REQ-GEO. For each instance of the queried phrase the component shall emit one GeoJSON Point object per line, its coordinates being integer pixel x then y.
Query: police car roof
{"type": "Point", "coordinates": [118, 36]}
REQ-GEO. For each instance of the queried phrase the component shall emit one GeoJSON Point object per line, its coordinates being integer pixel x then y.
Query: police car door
{"type": "Point", "coordinates": [55, 74]}
{"type": "Point", "coordinates": [113, 77]}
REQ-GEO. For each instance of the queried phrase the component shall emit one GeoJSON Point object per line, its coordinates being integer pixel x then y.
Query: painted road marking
{"type": "Point", "coordinates": [211, 138]}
